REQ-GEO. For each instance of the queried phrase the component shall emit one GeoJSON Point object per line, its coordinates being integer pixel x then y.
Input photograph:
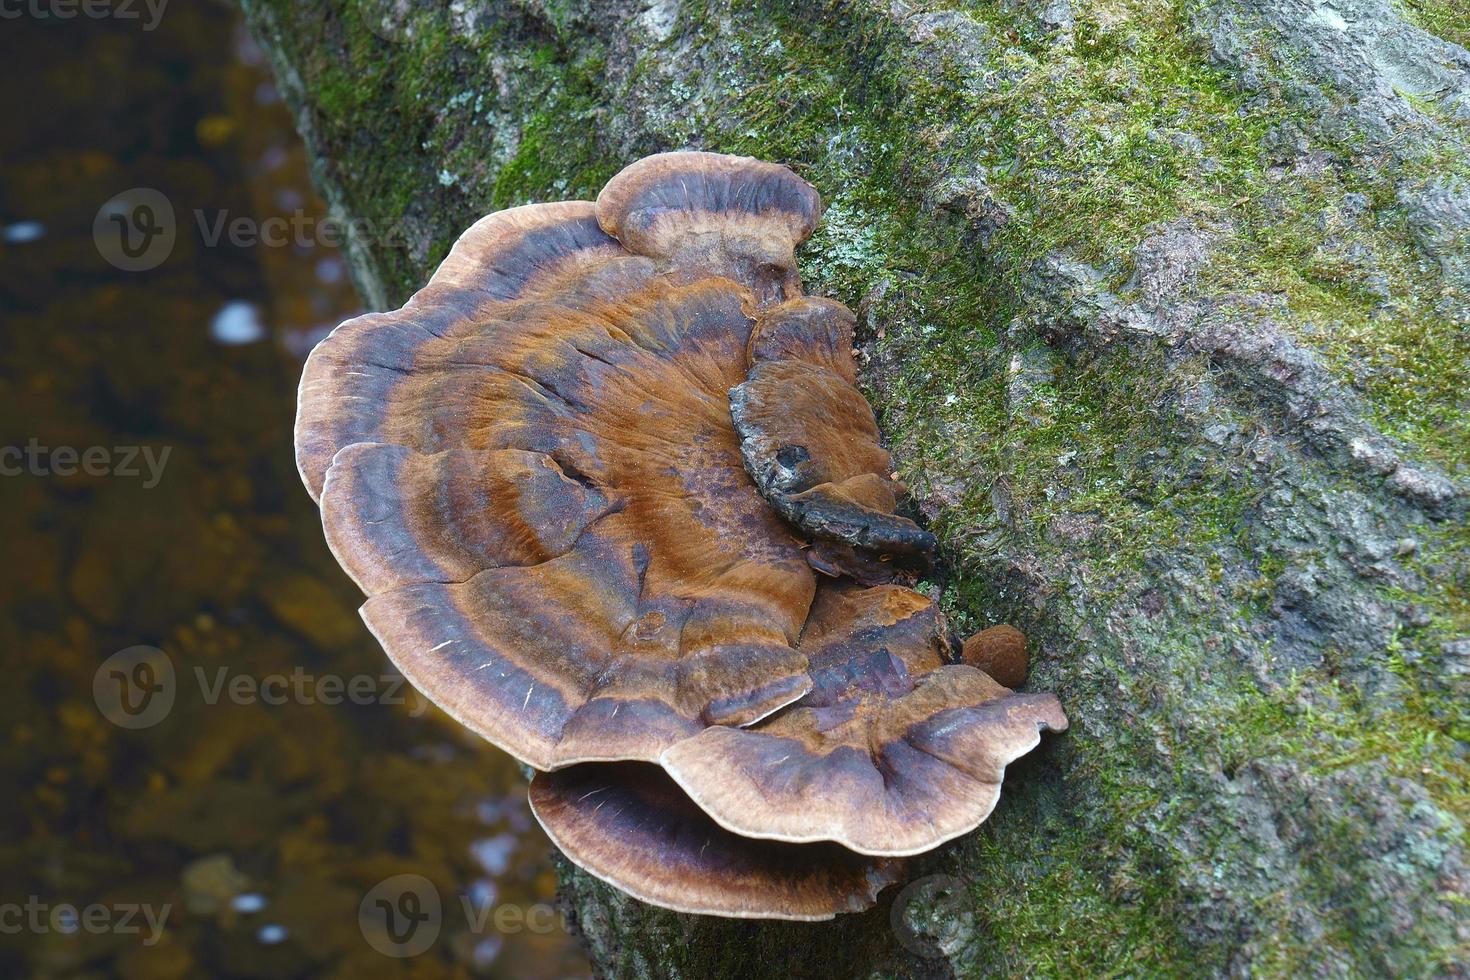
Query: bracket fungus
{"type": "Point", "coordinates": [619, 507]}
{"type": "Point", "coordinates": [628, 823]}
{"type": "Point", "coordinates": [808, 436]}
{"type": "Point", "coordinates": [892, 752]}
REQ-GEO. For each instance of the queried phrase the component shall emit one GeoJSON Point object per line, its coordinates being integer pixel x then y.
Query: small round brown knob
{"type": "Point", "coordinates": [1000, 651]}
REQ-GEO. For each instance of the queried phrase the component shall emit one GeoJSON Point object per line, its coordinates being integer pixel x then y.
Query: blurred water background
{"type": "Point", "coordinates": [197, 727]}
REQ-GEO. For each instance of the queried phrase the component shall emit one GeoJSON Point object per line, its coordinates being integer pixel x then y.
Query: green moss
{"type": "Point", "coordinates": [435, 135]}
{"type": "Point", "coordinates": [1055, 903]}
{"type": "Point", "coordinates": [1373, 305]}
{"type": "Point", "coordinates": [1450, 19]}
{"type": "Point", "coordinates": [556, 159]}
{"type": "Point", "coordinates": [1149, 133]}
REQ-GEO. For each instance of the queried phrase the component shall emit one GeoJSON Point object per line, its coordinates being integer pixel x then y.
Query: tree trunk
{"type": "Point", "coordinates": [1163, 309]}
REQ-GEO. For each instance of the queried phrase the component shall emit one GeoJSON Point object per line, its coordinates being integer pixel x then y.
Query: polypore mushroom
{"type": "Point", "coordinates": [584, 477]}
{"type": "Point", "coordinates": [808, 436]}
{"type": "Point", "coordinates": [708, 214]}
{"type": "Point", "coordinates": [891, 753]}
{"type": "Point", "coordinates": [628, 824]}
{"type": "Point", "coordinates": [545, 502]}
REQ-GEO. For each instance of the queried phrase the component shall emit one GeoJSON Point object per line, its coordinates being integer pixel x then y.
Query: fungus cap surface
{"type": "Point", "coordinates": [628, 824]}
{"type": "Point", "coordinates": [891, 753]}
{"type": "Point", "coordinates": [537, 251]}
{"type": "Point", "coordinates": [809, 438]}
{"type": "Point", "coordinates": [532, 473]}
{"type": "Point", "coordinates": [710, 214]}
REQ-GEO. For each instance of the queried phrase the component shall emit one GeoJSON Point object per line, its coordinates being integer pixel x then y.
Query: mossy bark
{"type": "Point", "coordinates": [1164, 312]}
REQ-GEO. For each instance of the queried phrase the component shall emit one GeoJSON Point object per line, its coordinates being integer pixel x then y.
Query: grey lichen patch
{"type": "Point", "coordinates": [1362, 67]}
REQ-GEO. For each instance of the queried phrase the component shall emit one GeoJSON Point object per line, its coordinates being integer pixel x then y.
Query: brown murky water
{"type": "Point", "coordinates": [209, 768]}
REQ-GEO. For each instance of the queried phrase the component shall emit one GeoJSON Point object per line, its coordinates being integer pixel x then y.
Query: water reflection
{"type": "Point", "coordinates": [23, 232]}
{"type": "Point", "coordinates": [261, 819]}
{"type": "Point", "coordinates": [237, 322]}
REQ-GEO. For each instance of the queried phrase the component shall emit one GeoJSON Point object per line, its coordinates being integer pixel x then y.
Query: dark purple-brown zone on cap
{"type": "Point", "coordinates": [518, 266]}
{"type": "Point", "coordinates": [724, 192]}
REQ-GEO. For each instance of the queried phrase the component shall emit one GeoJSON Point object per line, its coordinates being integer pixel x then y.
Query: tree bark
{"type": "Point", "coordinates": [1163, 309]}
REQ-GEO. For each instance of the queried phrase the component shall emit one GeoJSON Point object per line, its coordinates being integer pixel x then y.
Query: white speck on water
{"type": "Point", "coordinates": [494, 853]}
{"type": "Point", "coordinates": [486, 950]}
{"type": "Point", "coordinates": [272, 934]}
{"type": "Point", "coordinates": [248, 902]}
{"type": "Point", "coordinates": [274, 157]}
{"type": "Point", "coordinates": [483, 893]}
{"type": "Point", "coordinates": [24, 232]}
{"type": "Point", "coordinates": [236, 323]}
{"type": "Point", "coordinates": [330, 270]}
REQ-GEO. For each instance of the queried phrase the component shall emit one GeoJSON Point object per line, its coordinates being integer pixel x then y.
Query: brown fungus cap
{"type": "Point", "coordinates": [708, 214]}
{"type": "Point", "coordinates": [541, 492]}
{"type": "Point", "coordinates": [541, 251]}
{"type": "Point", "coordinates": [809, 439]}
{"type": "Point", "coordinates": [529, 250]}
{"type": "Point", "coordinates": [560, 474]}
{"type": "Point", "coordinates": [892, 753]}
{"type": "Point", "coordinates": [628, 824]}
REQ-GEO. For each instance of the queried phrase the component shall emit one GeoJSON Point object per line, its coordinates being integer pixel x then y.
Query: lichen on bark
{"type": "Point", "coordinates": [1163, 307]}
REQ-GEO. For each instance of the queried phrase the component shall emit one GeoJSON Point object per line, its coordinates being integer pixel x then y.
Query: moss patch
{"type": "Point", "coordinates": [1449, 19]}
